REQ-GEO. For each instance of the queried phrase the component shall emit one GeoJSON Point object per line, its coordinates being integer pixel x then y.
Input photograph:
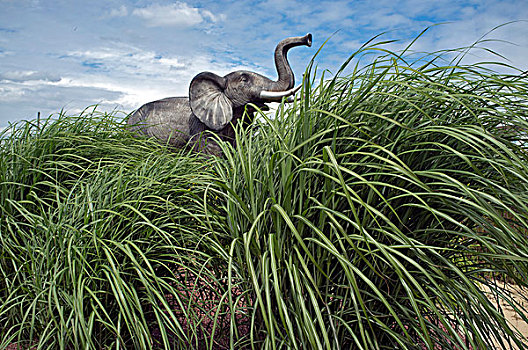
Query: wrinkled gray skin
{"type": "Point", "coordinates": [215, 103]}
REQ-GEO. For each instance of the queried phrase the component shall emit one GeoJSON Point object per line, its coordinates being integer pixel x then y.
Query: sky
{"type": "Point", "coordinates": [70, 54]}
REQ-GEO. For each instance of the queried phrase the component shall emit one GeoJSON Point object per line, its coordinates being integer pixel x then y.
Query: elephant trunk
{"type": "Point", "coordinates": [286, 79]}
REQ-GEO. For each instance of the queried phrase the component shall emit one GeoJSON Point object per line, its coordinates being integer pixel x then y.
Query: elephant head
{"type": "Point", "coordinates": [214, 100]}
{"type": "Point", "coordinates": [216, 103]}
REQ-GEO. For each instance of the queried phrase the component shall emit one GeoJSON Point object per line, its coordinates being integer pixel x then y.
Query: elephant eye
{"type": "Point", "coordinates": [244, 78]}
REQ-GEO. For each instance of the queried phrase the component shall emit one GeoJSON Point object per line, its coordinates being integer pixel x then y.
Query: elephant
{"type": "Point", "coordinates": [216, 104]}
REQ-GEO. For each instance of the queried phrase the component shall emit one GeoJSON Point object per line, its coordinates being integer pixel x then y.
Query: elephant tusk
{"type": "Point", "coordinates": [278, 95]}
{"type": "Point", "coordinates": [297, 88]}
{"type": "Point", "coordinates": [291, 99]}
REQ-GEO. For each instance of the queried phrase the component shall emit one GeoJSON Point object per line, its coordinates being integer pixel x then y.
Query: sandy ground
{"type": "Point", "coordinates": [521, 297]}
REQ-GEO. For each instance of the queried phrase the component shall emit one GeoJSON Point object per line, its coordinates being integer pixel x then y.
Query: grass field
{"type": "Point", "coordinates": [370, 214]}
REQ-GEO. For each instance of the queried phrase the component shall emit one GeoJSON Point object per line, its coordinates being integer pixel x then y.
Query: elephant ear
{"type": "Point", "coordinates": [209, 102]}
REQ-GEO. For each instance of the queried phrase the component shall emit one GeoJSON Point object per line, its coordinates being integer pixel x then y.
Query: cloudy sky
{"type": "Point", "coordinates": [69, 54]}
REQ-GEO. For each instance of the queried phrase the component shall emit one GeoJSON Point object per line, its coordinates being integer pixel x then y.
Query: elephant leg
{"type": "Point", "coordinates": [204, 144]}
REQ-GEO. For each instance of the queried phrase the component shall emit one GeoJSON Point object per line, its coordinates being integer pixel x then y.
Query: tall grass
{"type": "Point", "coordinates": [96, 233]}
{"type": "Point", "coordinates": [376, 212]}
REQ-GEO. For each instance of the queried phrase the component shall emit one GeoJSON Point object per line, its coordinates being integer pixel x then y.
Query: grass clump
{"type": "Point", "coordinates": [96, 229]}
{"type": "Point", "coordinates": [372, 213]}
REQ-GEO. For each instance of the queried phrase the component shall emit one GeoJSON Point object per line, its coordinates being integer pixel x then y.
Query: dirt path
{"type": "Point", "coordinates": [521, 297]}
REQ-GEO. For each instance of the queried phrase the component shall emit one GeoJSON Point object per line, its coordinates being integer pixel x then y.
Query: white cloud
{"type": "Point", "coordinates": [21, 76]}
{"type": "Point", "coordinates": [9, 93]}
{"type": "Point", "coordinates": [119, 12]}
{"type": "Point", "coordinates": [132, 61]}
{"type": "Point", "coordinates": [178, 14]}
{"type": "Point", "coordinates": [139, 76]}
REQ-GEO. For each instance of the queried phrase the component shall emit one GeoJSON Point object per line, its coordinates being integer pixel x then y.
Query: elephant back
{"type": "Point", "coordinates": [167, 119]}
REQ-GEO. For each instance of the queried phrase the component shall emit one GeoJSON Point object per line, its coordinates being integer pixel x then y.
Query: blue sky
{"type": "Point", "coordinates": [57, 54]}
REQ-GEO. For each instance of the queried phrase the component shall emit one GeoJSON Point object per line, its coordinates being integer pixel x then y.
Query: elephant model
{"type": "Point", "coordinates": [216, 104]}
